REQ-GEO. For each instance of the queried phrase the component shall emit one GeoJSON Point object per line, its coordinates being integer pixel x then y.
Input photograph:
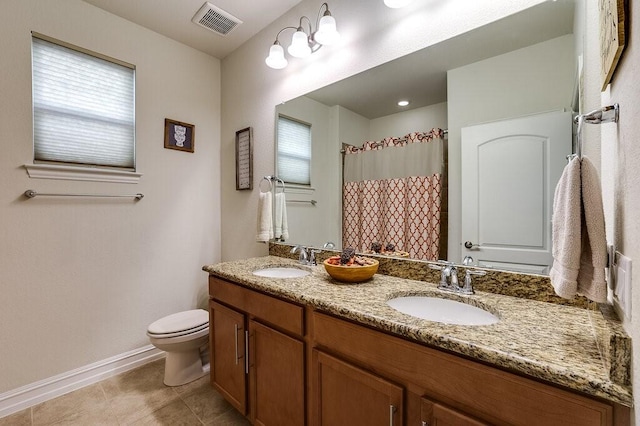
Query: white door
{"type": "Point", "coordinates": [510, 170]}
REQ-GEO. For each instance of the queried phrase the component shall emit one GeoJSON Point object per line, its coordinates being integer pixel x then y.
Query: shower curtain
{"type": "Point", "coordinates": [392, 194]}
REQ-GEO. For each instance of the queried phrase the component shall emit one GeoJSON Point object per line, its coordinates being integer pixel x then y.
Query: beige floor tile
{"type": "Point", "coordinates": [174, 414]}
{"type": "Point", "coordinates": [205, 401]}
{"type": "Point", "coordinates": [21, 418]}
{"type": "Point", "coordinates": [88, 399]}
{"type": "Point", "coordinates": [143, 379]}
{"type": "Point", "coordinates": [93, 417]}
{"type": "Point", "coordinates": [230, 418]}
{"type": "Point", "coordinates": [192, 385]}
{"type": "Point", "coordinates": [134, 405]}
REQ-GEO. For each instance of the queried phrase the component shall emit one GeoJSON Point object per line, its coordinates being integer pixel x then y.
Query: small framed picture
{"type": "Point", "coordinates": [244, 159]}
{"type": "Point", "coordinates": [178, 135]}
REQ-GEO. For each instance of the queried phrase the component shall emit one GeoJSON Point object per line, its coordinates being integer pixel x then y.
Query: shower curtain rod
{"type": "Point", "coordinates": [342, 151]}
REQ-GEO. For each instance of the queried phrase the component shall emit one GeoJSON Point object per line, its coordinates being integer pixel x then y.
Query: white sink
{"type": "Point", "coordinates": [281, 272]}
{"type": "Point", "coordinates": [442, 310]}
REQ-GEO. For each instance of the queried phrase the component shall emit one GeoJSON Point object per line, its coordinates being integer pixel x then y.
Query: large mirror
{"type": "Point", "coordinates": [524, 66]}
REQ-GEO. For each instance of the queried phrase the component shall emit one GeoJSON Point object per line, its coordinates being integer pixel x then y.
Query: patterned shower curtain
{"type": "Point", "coordinates": [392, 194]}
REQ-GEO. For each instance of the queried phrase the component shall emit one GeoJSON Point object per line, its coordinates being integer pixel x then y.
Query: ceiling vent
{"type": "Point", "coordinates": [215, 19]}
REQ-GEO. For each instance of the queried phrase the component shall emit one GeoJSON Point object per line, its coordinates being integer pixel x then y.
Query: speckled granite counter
{"type": "Point", "coordinates": [555, 343]}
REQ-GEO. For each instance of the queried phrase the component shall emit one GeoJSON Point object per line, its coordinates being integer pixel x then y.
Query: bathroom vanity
{"type": "Point", "coordinates": [310, 350]}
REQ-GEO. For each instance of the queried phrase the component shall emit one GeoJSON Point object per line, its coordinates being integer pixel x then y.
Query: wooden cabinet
{"type": "Point", "coordinates": [436, 414]}
{"type": "Point", "coordinates": [277, 377]}
{"type": "Point", "coordinates": [347, 395]}
{"type": "Point", "coordinates": [227, 349]}
{"type": "Point", "coordinates": [472, 389]}
{"type": "Point", "coordinates": [280, 363]}
{"type": "Point", "coordinates": [257, 354]}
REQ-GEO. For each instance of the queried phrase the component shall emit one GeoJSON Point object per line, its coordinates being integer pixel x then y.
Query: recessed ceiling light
{"type": "Point", "coordinates": [403, 103]}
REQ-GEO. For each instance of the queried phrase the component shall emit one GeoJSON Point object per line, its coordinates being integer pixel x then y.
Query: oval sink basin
{"type": "Point", "coordinates": [442, 310]}
{"type": "Point", "coordinates": [281, 272]}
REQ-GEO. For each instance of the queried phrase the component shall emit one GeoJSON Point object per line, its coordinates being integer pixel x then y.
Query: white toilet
{"type": "Point", "coordinates": [181, 336]}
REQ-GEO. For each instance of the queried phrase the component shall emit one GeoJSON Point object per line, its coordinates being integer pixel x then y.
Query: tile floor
{"type": "Point", "coordinates": [136, 397]}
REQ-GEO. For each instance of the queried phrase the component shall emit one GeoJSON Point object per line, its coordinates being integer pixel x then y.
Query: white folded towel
{"type": "Point", "coordinates": [579, 245]}
{"type": "Point", "coordinates": [265, 218]}
{"type": "Point", "coordinates": [281, 227]}
{"type": "Point", "coordinates": [593, 259]}
{"type": "Point", "coordinates": [566, 232]}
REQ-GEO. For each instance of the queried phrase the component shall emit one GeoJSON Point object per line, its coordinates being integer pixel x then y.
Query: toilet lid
{"type": "Point", "coordinates": [180, 322]}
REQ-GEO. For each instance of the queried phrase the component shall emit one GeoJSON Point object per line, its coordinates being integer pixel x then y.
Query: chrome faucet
{"type": "Point", "coordinates": [448, 275]}
{"type": "Point", "coordinates": [303, 256]}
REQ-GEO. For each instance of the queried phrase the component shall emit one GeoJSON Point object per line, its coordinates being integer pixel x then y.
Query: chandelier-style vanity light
{"type": "Point", "coordinates": [304, 44]}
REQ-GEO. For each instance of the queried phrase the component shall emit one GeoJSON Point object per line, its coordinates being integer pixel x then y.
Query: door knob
{"type": "Point", "coordinates": [470, 246]}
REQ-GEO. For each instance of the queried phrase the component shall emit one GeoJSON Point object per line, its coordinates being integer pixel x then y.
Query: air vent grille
{"type": "Point", "coordinates": [215, 19]}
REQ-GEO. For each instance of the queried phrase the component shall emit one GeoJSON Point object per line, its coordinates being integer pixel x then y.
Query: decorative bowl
{"type": "Point", "coordinates": [351, 274]}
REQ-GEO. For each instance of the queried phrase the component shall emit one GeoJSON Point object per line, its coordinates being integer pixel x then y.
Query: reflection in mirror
{"type": "Point", "coordinates": [524, 66]}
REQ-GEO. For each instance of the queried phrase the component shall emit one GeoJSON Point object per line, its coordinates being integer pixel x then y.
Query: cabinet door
{"type": "Point", "coordinates": [434, 414]}
{"type": "Point", "coordinates": [347, 395]}
{"type": "Point", "coordinates": [277, 377]}
{"type": "Point", "coordinates": [227, 339]}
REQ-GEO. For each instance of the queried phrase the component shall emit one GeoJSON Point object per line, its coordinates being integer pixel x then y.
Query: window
{"type": "Point", "coordinates": [83, 107]}
{"type": "Point", "coordinates": [294, 151]}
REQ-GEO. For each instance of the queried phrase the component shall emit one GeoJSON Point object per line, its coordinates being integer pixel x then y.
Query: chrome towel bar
{"type": "Point", "coordinates": [30, 193]}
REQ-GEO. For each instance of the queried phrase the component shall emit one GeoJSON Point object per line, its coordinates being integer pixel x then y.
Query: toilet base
{"type": "Point", "coordinates": [183, 367]}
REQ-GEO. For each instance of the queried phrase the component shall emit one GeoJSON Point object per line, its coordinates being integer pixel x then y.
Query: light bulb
{"type": "Point", "coordinates": [276, 57]}
{"type": "Point", "coordinates": [327, 33]}
{"type": "Point", "coordinates": [299, 45]}
{"type": "Point", "coordinates": [394, 4]}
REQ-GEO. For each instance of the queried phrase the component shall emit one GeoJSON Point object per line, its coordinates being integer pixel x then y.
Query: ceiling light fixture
{"type": "Point", "coordinates": [394, 4]}
{"type": "Point", "coordinates": [403, 103]}
{"type": "Point", "coordinates": [304, 43]}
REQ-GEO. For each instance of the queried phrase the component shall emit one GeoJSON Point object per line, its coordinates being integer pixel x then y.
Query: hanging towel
{"type": "Point", "coordinates": [265, 218]}
{"type": "Point", "coordinates": [593, 259]}
{"type": "Point", "coordinates": [282, 227]}
{"type": "Point", "coordinates": [566, 232]}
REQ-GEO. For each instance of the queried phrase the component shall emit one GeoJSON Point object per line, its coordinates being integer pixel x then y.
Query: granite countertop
{"type": "Point", "coordinates": [555, 343]}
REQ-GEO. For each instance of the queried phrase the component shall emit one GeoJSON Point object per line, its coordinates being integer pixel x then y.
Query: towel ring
{"type": "Point", "coordinates": [278, 180]}
{"type": "Point", "coordinates": [268, 179]}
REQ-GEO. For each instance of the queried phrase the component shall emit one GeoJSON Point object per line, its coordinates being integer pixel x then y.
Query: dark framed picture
{"type": "Point", "coordinates": [244, 159]}
{"type": "Point", "coordinates": [178, 135]}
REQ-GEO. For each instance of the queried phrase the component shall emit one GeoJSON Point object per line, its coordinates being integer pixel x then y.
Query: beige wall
{"type": "Point", "coordinates": [81, 279]}
{"type": "Point", "coordinates": [621, 178]}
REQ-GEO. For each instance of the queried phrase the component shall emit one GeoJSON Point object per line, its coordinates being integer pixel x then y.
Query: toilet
{"type": "Point", "coordinates": [181, 336]}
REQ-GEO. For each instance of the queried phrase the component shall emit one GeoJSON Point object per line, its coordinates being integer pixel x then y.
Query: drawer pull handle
{"type": "Point", "coordinates": [246, 352]}
{"type": "Point", "coordinates": [236, 336]}
{"type": "Point", "coordinates": [392, 411]}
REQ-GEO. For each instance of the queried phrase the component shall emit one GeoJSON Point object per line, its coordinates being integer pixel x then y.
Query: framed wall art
{"type": "Point", "coordinates": [244, 159]}
{"type": "Point", "coordinates": [178, 135]}
{"type": "Point", "coordinates": [612, 37]}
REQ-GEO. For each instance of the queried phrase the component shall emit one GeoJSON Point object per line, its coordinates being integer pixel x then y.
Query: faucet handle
{"type": "Point", "coordinates": [468, 285]}
{"type": "Point", "coordinates": [312, 256]}
{"type": "Point", "coordinates": [440, 265]}
{"type": "Point", "coordinates": [478, 272]}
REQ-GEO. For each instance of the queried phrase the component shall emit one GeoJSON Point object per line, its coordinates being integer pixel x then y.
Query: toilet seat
{"type": "Point", "coordinates": [180, 324]}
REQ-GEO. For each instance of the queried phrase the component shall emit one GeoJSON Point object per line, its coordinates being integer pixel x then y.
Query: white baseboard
{"type": "Point", "coordinates": [35, 393]}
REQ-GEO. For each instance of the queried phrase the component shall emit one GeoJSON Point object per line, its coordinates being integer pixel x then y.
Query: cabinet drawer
{"type": "Point", "coordinates": [284, 315]}
{"type": "Point", "coordinates": [485, 392]}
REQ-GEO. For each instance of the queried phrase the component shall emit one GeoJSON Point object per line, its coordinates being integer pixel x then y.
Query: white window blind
{"type": "Point", "coordinates": [83, 107]}
{"type": "Point", "coordinates": [294, 151]}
